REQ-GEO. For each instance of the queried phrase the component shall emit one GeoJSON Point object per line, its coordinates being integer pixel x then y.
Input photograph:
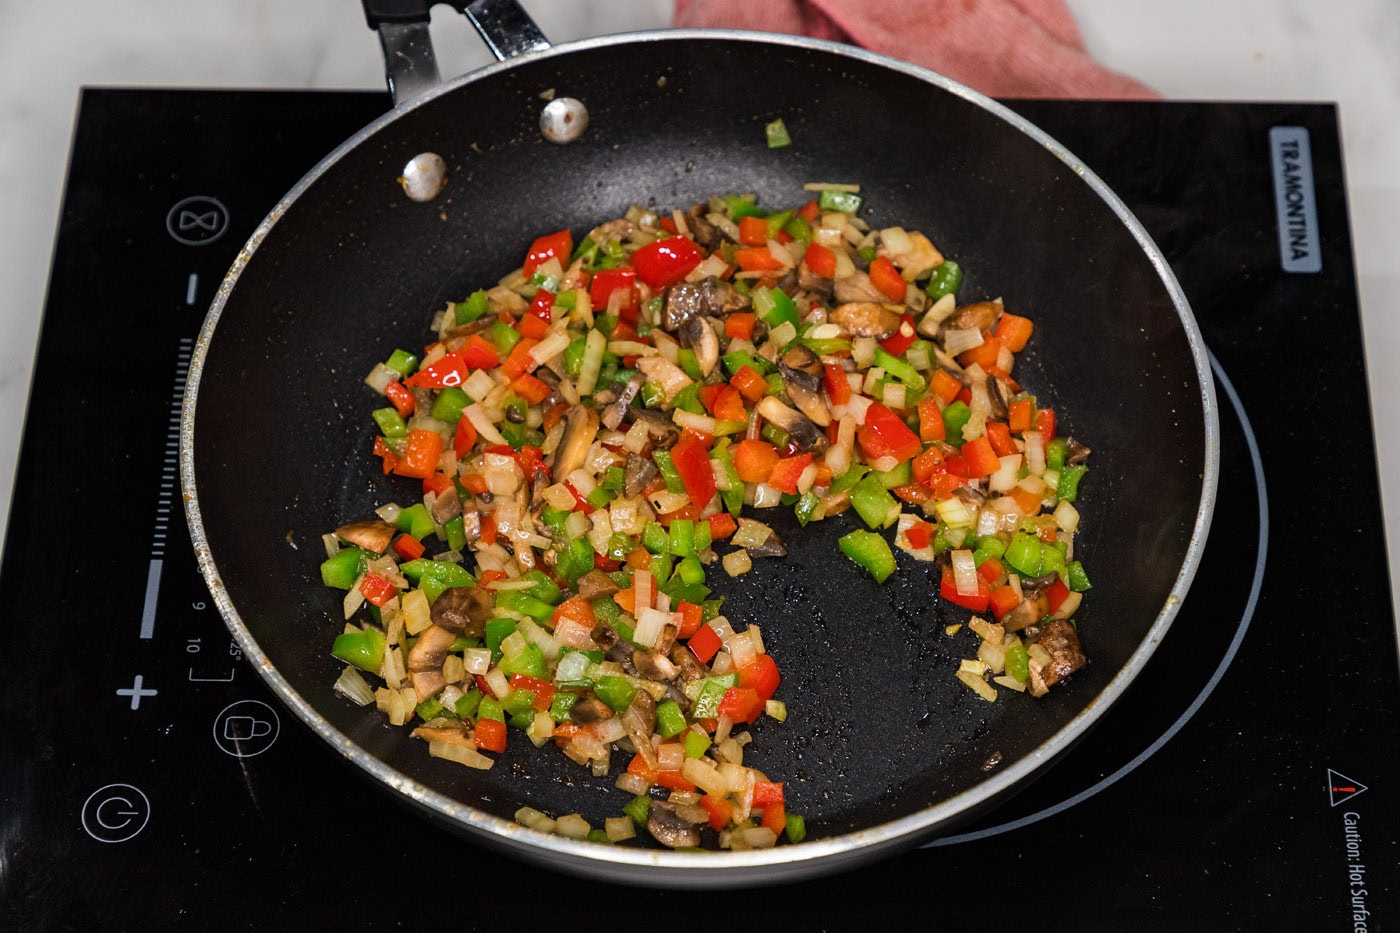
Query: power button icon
{"type": "Point", "coordinates": [115, 813]}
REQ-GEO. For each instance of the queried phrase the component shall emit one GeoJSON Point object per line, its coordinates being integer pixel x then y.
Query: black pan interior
{"type": "Point", "coordinates": [878, 727]}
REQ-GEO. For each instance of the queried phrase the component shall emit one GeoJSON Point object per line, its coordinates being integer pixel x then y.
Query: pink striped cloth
{"type": "Point", "coordinates": [1003, 48]}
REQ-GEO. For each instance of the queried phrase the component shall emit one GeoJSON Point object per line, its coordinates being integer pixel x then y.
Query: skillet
{"type": "Point", "coordinates": [883, 748]}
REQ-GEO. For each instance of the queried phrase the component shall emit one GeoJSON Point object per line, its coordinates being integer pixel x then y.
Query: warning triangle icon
{"type": "Point", "coordinates": [1341, 788]}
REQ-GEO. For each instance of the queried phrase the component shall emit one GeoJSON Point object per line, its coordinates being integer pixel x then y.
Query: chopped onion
{"type": "Point", "coordinates": [737, 563]}
{"type": "Point", "coordinates": [688, 419]}
{"type": "Point", "coordinates": [650, 623]}
{"type": "Point", "coordinates": [1035, 452]}
{"type": "Point", "coordinates": [956, 340]}
{"type": "Point", "coordinates": [964, 572]}
{"type": "Point", "coordinates": [351, 685]}
{"type": "Point", "coordinates": [1066, 516]}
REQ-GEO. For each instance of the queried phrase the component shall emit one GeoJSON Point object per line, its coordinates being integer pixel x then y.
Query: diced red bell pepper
{"type": "Point", "coordinates": [575, 609]}
{"type": "Point", "coordinates": [705, 644]}
{"type": "Point", "coordinates": [531, 460]}
{"type": "Point", "coordinates": [740, 325]}
{"type": "Point", "coordinates": [919, 535]}
{"type": "Point", "coordinates": [692, 462]}
{"type": "Point", "coordinates": [767, 793]}
{"type": "Point", "coordinates": [448, 370]}
{"type": "Point", "coordinates": [754, 460]}
{"type": "Point", "coordinates": [753, 230]}
{"type": "Point", "coordinates": [730, 405]}
{"type": "Point", "coordinates": [913, 493]}
{"type": "Point", "coordinates": [751, 385]}
{"type": "Point", "coordinates": [408, 547]}
{"type": "Point", "coordinates": [1045, 424]}
{"type": "Point", "coordinates": [787, 471]}
{"type": "Point", "coordinates": [662, 263]}
{"type": "Point", "coordinates": [519, 360]}
{"type": "Point", "coordinates": [378, 590]}
{"type": "Point", "coordinates": [757, 259]}
{"type": "Point", "coordinates": [538, 316]}
{"type": "Point", "coordinates": [838, 387]}
{"type": "Point", "coordinates": [885, 434]}
{"type": "Point", "coordinates": [761, 676]}
{"type": "Point", "coordinates": [720, 811]}
{"type": "Point", "coordinates": [1002, 600]}
{"type": "Point", "coordinates": [774, 817]}
{"type": "Point", "coordinates": [463, 437]}
{"type": "Point", "coordinates": [1056, 593]}
{"type": "Point", "coordinates": [1021, 415]}
{"type": "Point", "coordinates": [558, 246]}
{"type": "Point", "coordinates": [420, 455]}
{"type": "Point", "coordinates": [607, 281]}
{"type": "Point", "coordinates": [438, 483]}
{"type": "Point", "coordinates": [480, 353]}
{"type": "Point", "coordinates": [985, 355]}
{"type": "Point", "coordinates": [542, 689]}
{"type": "Point", "coordinates": [810, 211]}
{"type": "Point", "coordinates": [944, 385]}
{"type": "Point", "coordinates": [400, 398]}
{"type": "Point", "coordinates": [490, 735]}
{"type": "Point", "coordinates": [899, 341]}
{"type": "Point", "coordinates": [692, 617]}
{"type": "Point", "coordinates": [822, 261]}
{"type": "Point", "coordinates": [931, 426]}
{"type": "Point", "coordinates": [1014, 331]}
{"type": "Point", "coordinates": [722, 525]}
{"type": "Point", "coordinates": [532, 389]}
{"type": "Point", "coordinates": [999, 436]}
{"type": "Point", "coordinates": [740, 704]}
{"type": "Point", "coordinates": [885, 277]}
{"type": "Point", "coordinates": [386, 454]}
{"type": "Point", "coordinates": [981, 459]}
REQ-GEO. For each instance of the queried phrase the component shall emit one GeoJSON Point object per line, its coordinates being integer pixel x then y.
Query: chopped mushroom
{"type": "Point", "coordinates": [802, 378]}
{"type": "Point", "coordinates": [917, 258]}
{"type": "Point", "coordinates": [668, 828]}
{"type": "Point", "coordinates": [616, 412]}
{"type": "Point", "coordinates": [636, 474]}
{"type": "Point", "coordinates": [980, 315]}
{"type": "Point", "coordinates": [373, 535]}
{"type": "Point", "coordinates": [708, 297]}
{"type": "Point", "coordinates": [639, 722]}
{"type": "Point", "coordinates": [803, 432]}
{"type": "Point", "coordinates": [1060, 640]}
{"type": "Point", "coordinates": [698, 334]}
{"type": "Point", "coordinates": [596, 583]}
{"type": "Point", "coordinates": [425, 661]}
{"type": "Point", "coordinates": [463, 610]}
{"type": "Point", "coordinates": [447, 505]}
{"type": "Point", "coordinates": [1030, 610]}
{"type": "Point", "coordinates": [581, 427]}
{"type": "Point", "coordinates": [590, 709]}
{"type": "Point", "coordinates": [857, 287]}
{"type": "Point", "coordinates": [866, 318]}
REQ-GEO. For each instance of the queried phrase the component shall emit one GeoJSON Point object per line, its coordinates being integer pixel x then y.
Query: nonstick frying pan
{"type": "Point", "coordinates": [882, 748]}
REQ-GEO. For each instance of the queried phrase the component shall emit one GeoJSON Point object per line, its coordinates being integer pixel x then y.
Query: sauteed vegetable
{"type": "Point", "coordinates": [591, 439]}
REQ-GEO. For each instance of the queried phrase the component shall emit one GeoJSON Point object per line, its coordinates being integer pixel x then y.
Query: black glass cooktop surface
{"type": "Point", "coordinates": [150, 780]}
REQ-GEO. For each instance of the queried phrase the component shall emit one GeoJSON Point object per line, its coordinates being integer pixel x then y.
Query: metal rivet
{"type": "Point", "coordinates": [563, 120]}
{"type": "Point", "coordinates": [424, 176]}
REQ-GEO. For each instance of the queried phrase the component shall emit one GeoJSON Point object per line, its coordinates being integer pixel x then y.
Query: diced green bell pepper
{"type": "Point", "coordinates": [343, 568]}
{"type": "Point", "coordinates": [363, 649]}
{"type": "Point", "coordinates": [870, 551]}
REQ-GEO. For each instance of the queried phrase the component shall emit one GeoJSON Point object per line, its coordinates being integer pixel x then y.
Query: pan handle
{"type": "Point", "coordinates": [410, 65]}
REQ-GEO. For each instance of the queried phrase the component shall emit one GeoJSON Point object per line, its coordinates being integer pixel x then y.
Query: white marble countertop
{"type": "Point", "coordinates": [1343, 51]}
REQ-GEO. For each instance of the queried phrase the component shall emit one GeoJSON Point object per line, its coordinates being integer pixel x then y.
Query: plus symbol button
{"type": "Point", "coordinates": [137, 692]}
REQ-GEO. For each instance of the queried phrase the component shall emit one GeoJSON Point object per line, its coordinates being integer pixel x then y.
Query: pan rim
{"type": "Point", "coordinates": [709, 869]}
